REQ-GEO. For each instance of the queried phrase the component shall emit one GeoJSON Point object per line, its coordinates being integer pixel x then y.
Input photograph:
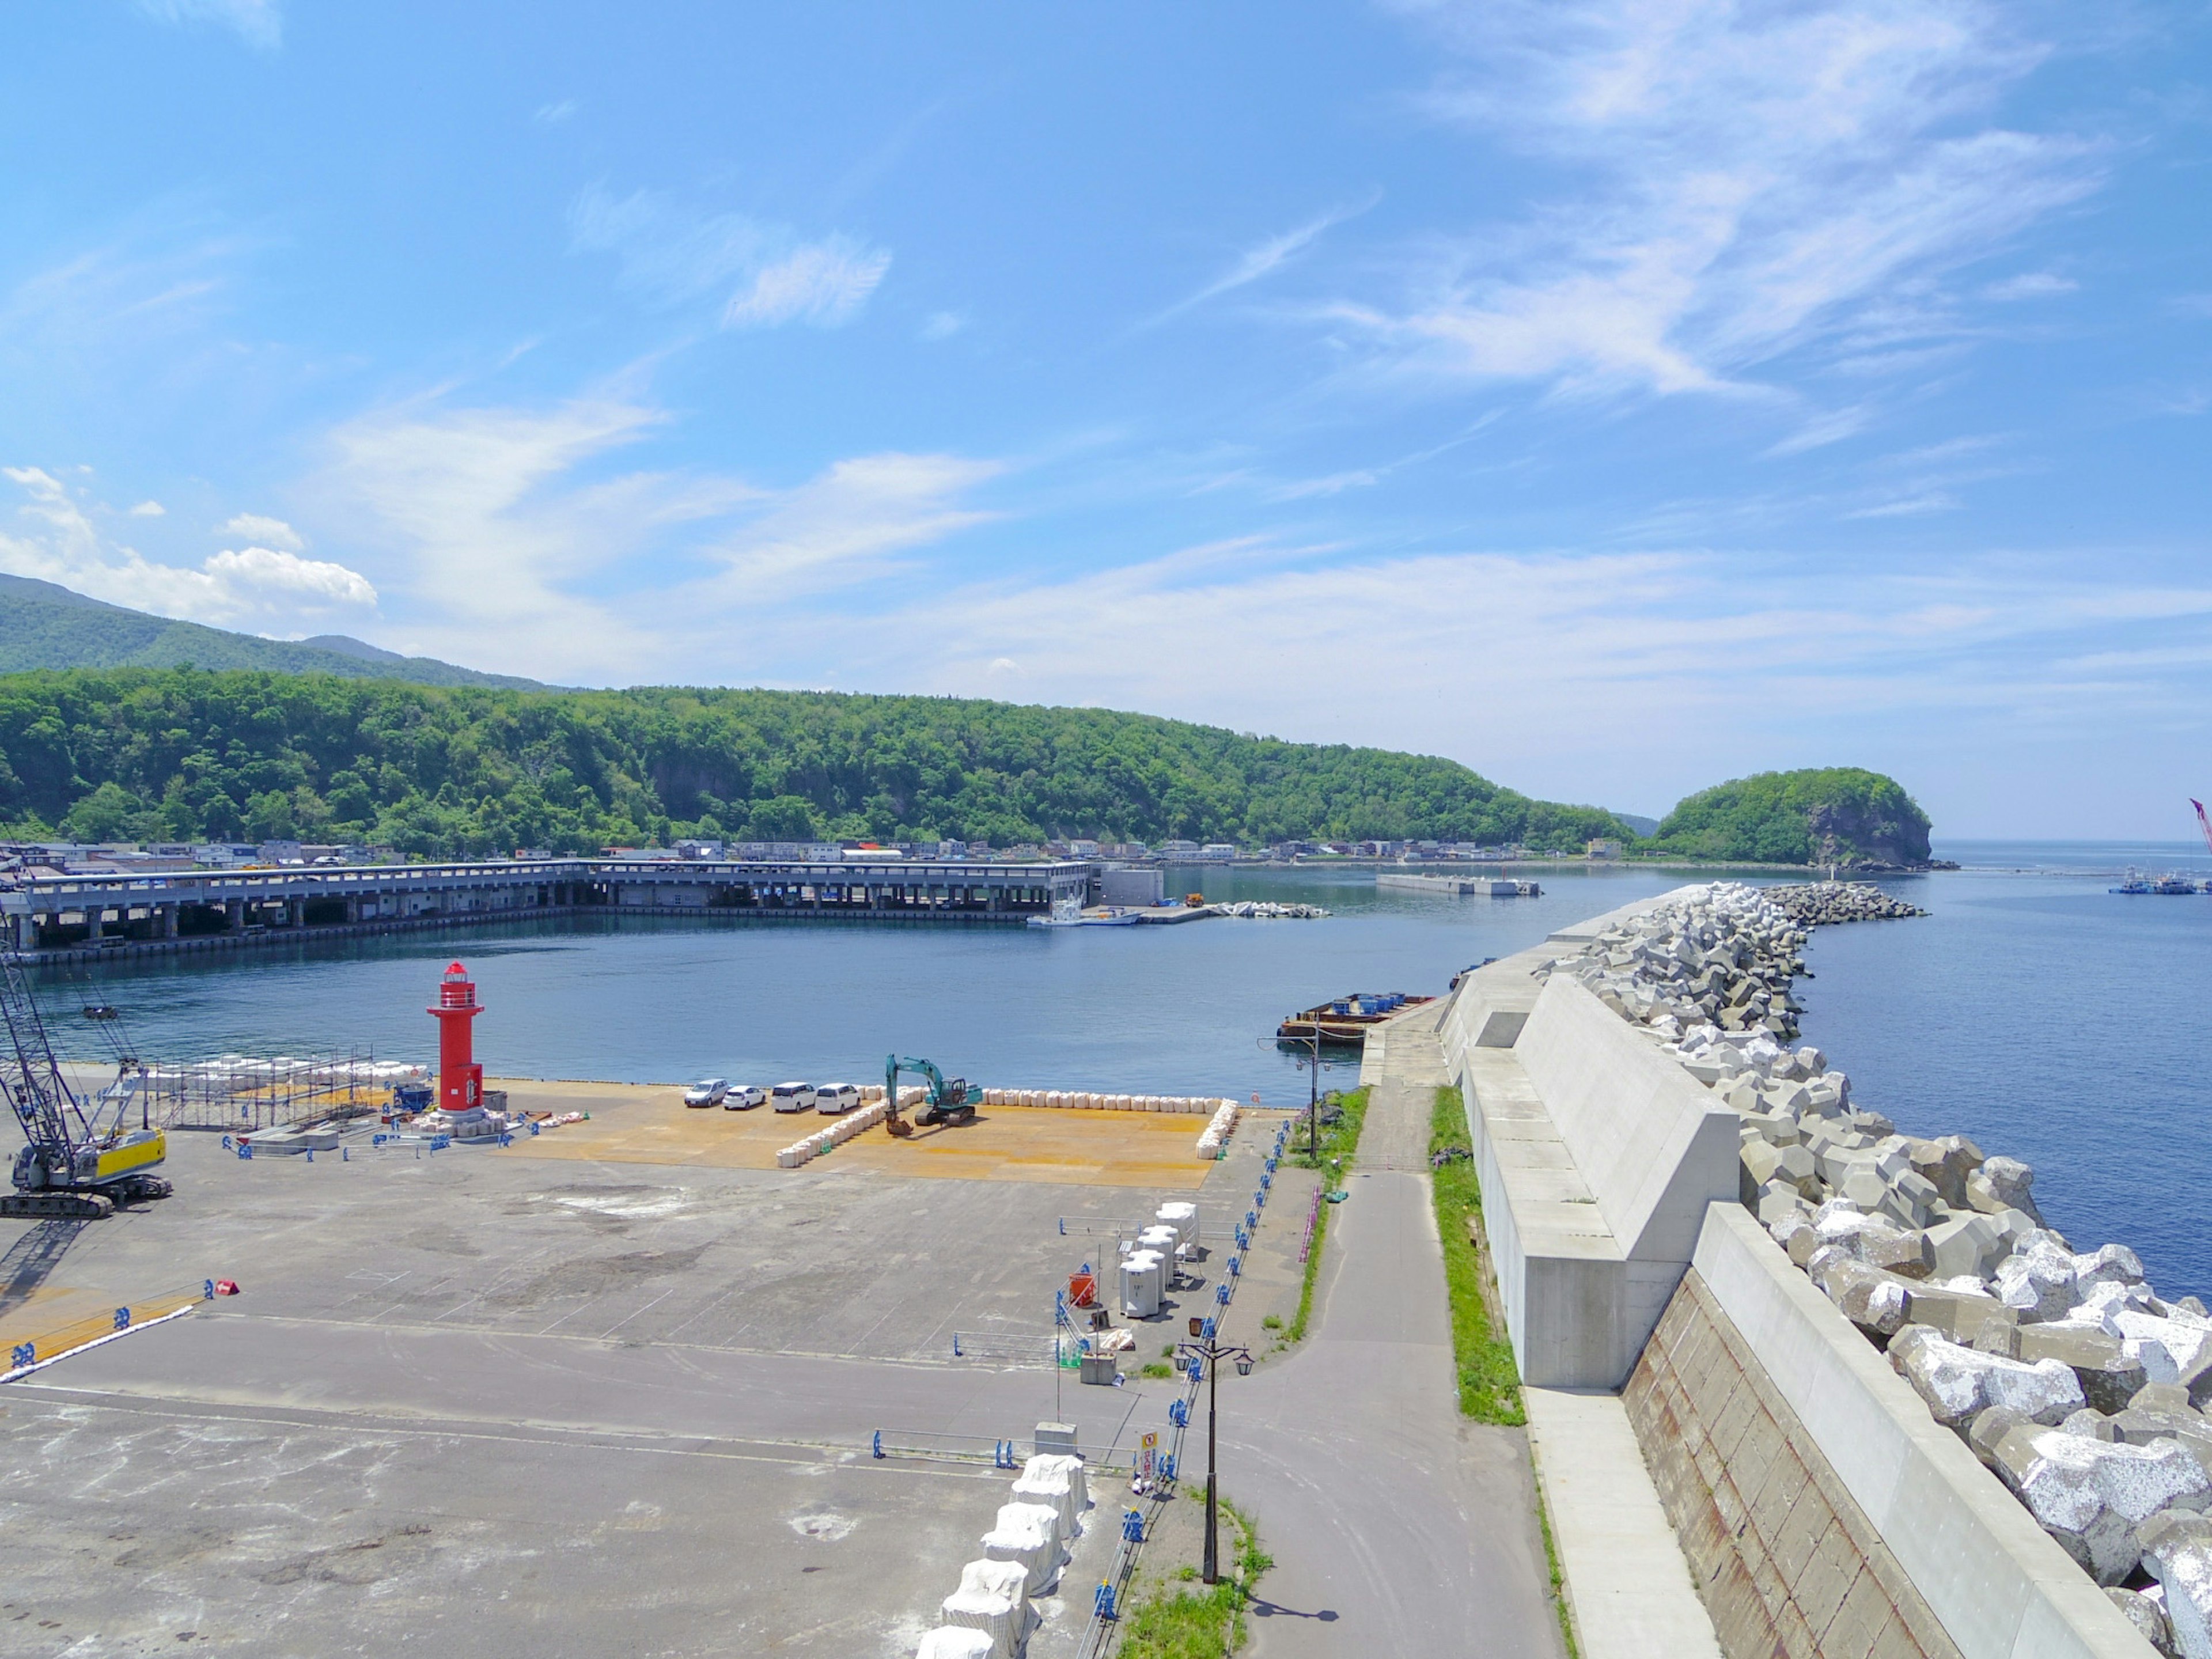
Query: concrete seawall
{"type": "Point", "coordinates": [1765, 1484]}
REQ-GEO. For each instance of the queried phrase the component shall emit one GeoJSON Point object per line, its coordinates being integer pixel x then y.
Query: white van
{"type": "Point", "coordinates": [832, 1098]}
{"type": "Point", "coordinates": [743, 1097]}
{"type": "Point", "coordinates": [708, 1091]}
{"type": "Point", "coordinates": [791, 1097]}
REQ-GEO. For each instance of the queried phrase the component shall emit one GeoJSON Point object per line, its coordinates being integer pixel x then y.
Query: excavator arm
{"type": "Point", "coordinates": [952, 1102]}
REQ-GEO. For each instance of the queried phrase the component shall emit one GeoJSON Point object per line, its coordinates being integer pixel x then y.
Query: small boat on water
{"type": "Point", "coordinates": [1346, 1019]}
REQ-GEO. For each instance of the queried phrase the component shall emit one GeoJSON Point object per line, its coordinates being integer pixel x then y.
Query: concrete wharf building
{"type": "Point", "coordinates": [217, 908]}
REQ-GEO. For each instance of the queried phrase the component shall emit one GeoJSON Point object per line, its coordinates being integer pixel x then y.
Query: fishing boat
{"type": "Point", "coordinates": [1347, 1020]}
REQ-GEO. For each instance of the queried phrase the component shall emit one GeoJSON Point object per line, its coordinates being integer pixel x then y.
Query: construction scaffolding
{"type": "Point", "coordinates": [242, 1093]}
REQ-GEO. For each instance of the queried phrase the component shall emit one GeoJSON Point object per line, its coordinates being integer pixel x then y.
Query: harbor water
{"type": "Point", "coordinates": [2033, 1010]}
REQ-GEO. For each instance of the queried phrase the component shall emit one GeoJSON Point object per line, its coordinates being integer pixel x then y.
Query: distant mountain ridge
{"type": "Point", "coordinates": [44, 625]}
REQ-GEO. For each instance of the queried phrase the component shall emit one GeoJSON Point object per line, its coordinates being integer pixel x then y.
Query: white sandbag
{"type": "Point", "coordinates": [1029, 1534]}
{"type": "Point", "coordinates": [1069, 1464]}
{"type": "Point", "coordinates": [1141, 1284]}
{"type": "Point", "coordinates": [957, 1642]}
{"type": "Point", "coordinates": [993, 1599]}
{"type": "Point", "coordinates": [1183, 1218]}
{"type": "Point", "coordinates": [1050, 1487]}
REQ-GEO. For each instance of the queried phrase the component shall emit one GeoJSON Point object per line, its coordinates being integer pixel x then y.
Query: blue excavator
{"type": "Point", "coordinates": [949, 1100]}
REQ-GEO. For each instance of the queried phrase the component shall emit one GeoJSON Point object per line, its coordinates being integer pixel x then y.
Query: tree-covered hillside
{"type": "Point", "coordinates": [43, 625]}
{"type": "Point", "coordinates": [177, 754]}
{"type": "Point", "coordinates": [1837, 814]}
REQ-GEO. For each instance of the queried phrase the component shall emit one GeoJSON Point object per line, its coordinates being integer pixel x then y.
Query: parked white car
{"type": "Point", "coordinates": [708, 1091]}
{"type": "Point", "coordinates": [791, 1097]}
{"type": "Point", "coordinates": [743, 1097]}
{"type": "Point", "coordinates": [832, 1098]}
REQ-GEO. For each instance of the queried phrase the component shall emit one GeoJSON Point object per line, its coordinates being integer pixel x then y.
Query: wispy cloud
{"type": "Point", "coordinates": [256, 585]}
{"type": "Point", "coordinates": [1263, 259]}
{"type": "Point", "coordinates": [149, 510]}
{"type": "Point", "coordinates": [1910, 506]}
{"type": "Point", "coordinates": [766, 273]}
{"type": "Point", "coordinates": [259, 23]}
{"type": "Point", "coordinates": [552, 115]}
{"type": "Point", "coordinates": [1832, 426]}
{"type": "Point", "coordinates": [1748, 179]}
{"type": "Point", "coordinates": [2030, 285]}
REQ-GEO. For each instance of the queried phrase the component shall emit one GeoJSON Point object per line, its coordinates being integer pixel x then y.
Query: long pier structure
{"type": "Point", "coordinates": [212, 910]}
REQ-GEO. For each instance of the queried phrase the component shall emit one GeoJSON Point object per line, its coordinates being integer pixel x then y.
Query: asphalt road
{"type": "Point", "coordinates": [1397, 1526]}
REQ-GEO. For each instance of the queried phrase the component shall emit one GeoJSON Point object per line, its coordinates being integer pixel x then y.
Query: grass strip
{"type": "Point", "coordinates": [1204, 1623]}
{"type": "Point", "coordinates": [1489, 1385]}
{"type": "Point", "coordinates": [1339, 1144]}
{"type": "Point", "coordinates": [1558, 1578]}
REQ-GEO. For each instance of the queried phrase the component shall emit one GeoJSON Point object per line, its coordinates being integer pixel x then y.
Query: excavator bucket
{"type": "Point", "coordinates": [899, 1128]}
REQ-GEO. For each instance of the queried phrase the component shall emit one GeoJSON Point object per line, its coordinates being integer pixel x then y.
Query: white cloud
{"type": "Point", "coordinates": [1910, 506]}
{"type": "Point", "coordinates": [1747, 180]}
{"type": "Point", "coordinates": [824, 283]}
{"type": "Point", "coordinates": [1261, 260]}
{"type": "Point", "coordinates": [259, 23]}
{"type": "Point", "coordinates": [273, 532]}
{"type": "Point", "coordinates": [250, 585]}
{"type": "Point", "coordinates": [552, 115]}
{"type": "Point", "coordinates": [1334, 485]}
{"type": "Point", "coordinates": [1830, 427]}
{"type": "Point", "coordinates": [847, 525]}
{"type": "Point", "coordinates": [768, 274]}
{"type": "Point", "coordinates": [943, 324]}
{"type": "Point", "coordinates": [2031, 285]}
{"type": "Point", "coordinates": [149, 510]}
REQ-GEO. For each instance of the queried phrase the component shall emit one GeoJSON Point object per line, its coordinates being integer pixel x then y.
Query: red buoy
{"type": "Point", "coordinates": [460, 1080]}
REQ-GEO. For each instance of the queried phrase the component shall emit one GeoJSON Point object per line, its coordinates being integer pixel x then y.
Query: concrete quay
{"type": "Point", "coordinates": [70, 916]}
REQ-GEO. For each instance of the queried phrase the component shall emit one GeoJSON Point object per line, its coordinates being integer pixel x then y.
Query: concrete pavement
{"type": "Point", "coordinates": [1397, 1526]}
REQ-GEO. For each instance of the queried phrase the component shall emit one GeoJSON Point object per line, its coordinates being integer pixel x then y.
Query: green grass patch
{"type": "Point", "coordinates": [1203, 1624]}
{"type": "Point", "coordinates": [1489, 1385]}
{"type": "Point", "coordinates": [1558, 1578]}
{"type": "Point", "coordinates": [1158, 1370]}
{"type": "Point", "coordinates": [1339, 1144]}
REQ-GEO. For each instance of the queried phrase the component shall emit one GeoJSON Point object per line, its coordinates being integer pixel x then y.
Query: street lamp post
{"type": "Point", "coordinates": [1209, 1352]}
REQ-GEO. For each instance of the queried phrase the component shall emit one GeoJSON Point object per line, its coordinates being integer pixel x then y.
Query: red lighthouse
{"type": "Point", "coordinates": [460, 1080]}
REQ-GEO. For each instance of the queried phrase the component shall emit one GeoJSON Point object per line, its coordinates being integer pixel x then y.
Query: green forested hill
{"type": "Point", "coordinates": [1837, 813]}
{"type": "Point", "coordinates": [46, 626]}
{"type": "Point", "coordinates": [176, 754]}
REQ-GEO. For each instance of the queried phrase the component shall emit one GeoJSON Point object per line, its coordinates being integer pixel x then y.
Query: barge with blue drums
{"type": "Point", "coordinates": [1345, 1020]}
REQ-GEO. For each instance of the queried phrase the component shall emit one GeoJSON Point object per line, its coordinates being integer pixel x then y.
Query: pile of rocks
{"type": "Point", "coordinates": [1724, 959]}
{"type": "Point", "coordinates": [1812, 903]}
{"type": "Point", "coordinates": [1267, 910]}
{"type": "Point", "coordinates": [2080, 1387]}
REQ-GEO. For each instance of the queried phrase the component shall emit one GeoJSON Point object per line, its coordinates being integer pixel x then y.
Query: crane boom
{"type": "Point", "coordinates": [70, 1165]}
{"type": "Point", "coordinates": [2202, 823]}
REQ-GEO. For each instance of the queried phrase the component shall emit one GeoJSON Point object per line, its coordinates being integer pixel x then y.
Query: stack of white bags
{"type": "Point", "coordinates": [989, 1616]}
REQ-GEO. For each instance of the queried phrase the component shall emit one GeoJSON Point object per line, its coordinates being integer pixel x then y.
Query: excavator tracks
{"type": "Point", "coordinates": [57, 1206]}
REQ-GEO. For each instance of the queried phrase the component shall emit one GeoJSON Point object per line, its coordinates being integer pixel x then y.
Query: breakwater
{"type": "Point", "coordinates": [1630, 1148]}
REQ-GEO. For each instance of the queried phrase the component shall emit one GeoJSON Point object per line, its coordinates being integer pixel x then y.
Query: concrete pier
{"type": "Point", "coordinates": [217, 910]}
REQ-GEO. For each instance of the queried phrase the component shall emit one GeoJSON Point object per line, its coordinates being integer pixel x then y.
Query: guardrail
{"type": "Point", "coordinates": [29, 1351]}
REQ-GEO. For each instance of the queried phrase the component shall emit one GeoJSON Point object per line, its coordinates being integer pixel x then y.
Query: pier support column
{"type": "Point", "coordinates": [295, 912]}
{"type": "Point", "coordinates": [169, 914]}
{"type": "Point", "coordinates": [233, 912]}
{"type": "Point", "coordinates": [94, 916]}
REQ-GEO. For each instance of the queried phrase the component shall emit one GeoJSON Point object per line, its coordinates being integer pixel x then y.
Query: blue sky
{"type": "Point", "coordinates": [1615, 397]}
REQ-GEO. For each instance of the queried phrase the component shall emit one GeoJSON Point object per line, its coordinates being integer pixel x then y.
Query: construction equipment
{"type": "Point", "coordinates": [949, 1102]}
{"type": "Point", "coordinates": [80, 1157]}
{"type": "Point", "coordinates": [2202, 823]}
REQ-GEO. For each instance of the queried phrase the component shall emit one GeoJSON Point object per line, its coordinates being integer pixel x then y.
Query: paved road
{"type": "Point", "coordinates": [1397, 1526]}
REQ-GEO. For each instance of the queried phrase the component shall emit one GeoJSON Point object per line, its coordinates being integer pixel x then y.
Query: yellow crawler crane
{"type": "Point", "coordinates": [80, 1158]}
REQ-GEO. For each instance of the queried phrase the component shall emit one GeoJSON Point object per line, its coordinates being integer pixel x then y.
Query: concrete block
{"type": "Point", "coordinates": [2110, 1376]}
{"type": "Point", "coordinates": [2091, 1495]}
{"type": "Point", "coordinates": [1957, 1381]}
{"type": "Point", "coordinates": [2177, 1550]}
{"type": "Point", "coordinates": [1957, 1316]}
{"type": "Point", "coordinates": [2038, 1282]}
{"type": "Point", "coordinates": [2149, 1617]}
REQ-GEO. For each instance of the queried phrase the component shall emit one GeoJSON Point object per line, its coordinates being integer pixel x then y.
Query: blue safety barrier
{"type": "Point", "coordinates": [1101, 1604]}
{"type": "Point", "coordinates": [1206, 1329]}
{"type": "Point", "coordinates": [1167, 1463]}
{"type": "Point", "coordinates": [1197, 1369]}
{"type": "Point", "coordinates": [207, 1290]}
{"type": "Point", "coordinates": [122, 1319]}
{"type": "Point", "coordinates": [345, 1154]}
{"type": "Point", "coordinates": [311, 1155]}
{"type": "Point", "coordinates": [878, 1446]}
{"type": "Point", "coordinates": [1132, 1526]}
{"type": "Point", "coordinates": [245, 1149]}
{"type": "Point", "coordinates": [1251, 1220]}
{"type": "Point", "coordinates": [1235, 1266]}
{"type": "Point", "coordinates": [25, 1353]}
{"type": "Point", "coordinates": [227, 1145]}
{"type": "Point", "coordinates": [1265, 1182]}
{"type": "Point", "coordinates": [1003, 1456]}
{"type": "Point", "coordinates": [1179, 1413]}
{"type": "Point", "coordinates": [1221, 1294]}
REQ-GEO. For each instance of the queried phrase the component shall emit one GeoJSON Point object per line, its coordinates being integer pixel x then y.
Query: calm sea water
{"type": "Point", "coordinates": [2034, 1011]}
